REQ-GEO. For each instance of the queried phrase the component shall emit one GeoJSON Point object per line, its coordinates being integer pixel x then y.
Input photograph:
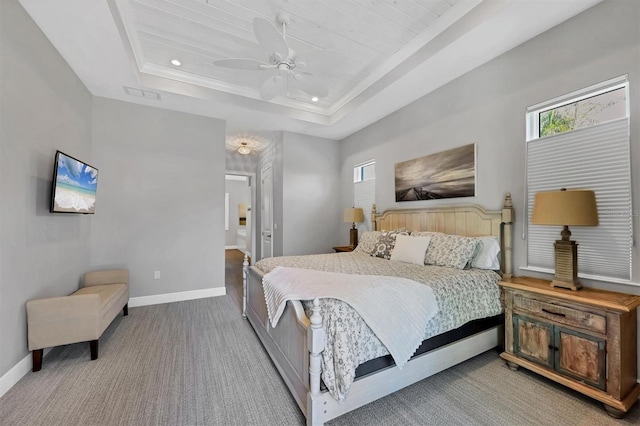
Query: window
{"type": "Point", "coordinates": [364, 171]}
{"type": "Point", "coordinates": [364, 189]}
{"type": "Point", "coordinates": [581, 141]}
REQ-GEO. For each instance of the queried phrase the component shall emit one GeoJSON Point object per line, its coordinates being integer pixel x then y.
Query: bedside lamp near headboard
{"type": "Point", "coordinates": [353, 215]}
{"type": "Point", "coordinates": [564, 208]}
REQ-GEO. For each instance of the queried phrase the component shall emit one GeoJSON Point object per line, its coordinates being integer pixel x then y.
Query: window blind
{"type": "Point", "coordinates": [595, 158]}
{"type": "Point", "coordinates": [364, 196]}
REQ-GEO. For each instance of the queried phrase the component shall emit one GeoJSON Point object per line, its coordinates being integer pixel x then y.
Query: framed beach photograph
{"type": "Point", "coordinates": [445, 174]}
{"type": "Point", "coordinates": [74, 186]}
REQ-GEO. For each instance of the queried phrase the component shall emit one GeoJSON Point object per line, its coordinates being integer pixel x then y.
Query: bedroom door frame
{"type": "Point", "coordinates": [266, 229]}
{"type": "Point", "coordinates": [252, 228]}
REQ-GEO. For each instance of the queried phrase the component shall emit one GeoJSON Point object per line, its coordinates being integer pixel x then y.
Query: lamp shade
{"type": "Point", "coordinates": [576, 207]}
{"type": "Point", "coordinates": [355, 214]}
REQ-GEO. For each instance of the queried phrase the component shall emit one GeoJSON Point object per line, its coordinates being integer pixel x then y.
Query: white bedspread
{"type": "Point", "coordinates": [408, 305]}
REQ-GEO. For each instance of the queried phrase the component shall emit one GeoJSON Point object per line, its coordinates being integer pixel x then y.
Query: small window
{"type": "Point", "coordinates": [583, 113]}
{"type": "Point", "coordinates": [364, 190]}
{"type": "Point", "coordinates": [364, 171]}
{"type": "Point", "coordinates": [598, 104]}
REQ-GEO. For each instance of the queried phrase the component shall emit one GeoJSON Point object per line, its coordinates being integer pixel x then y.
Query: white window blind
{"type": "Point", "coordinates": [364, 196]}
{"type": "Point", "coordinates": [595, 158]}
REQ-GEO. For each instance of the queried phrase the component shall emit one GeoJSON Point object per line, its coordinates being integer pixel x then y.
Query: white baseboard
{"type": "Point", "coordinates": [176, 297]}
{"type": "Point", "coordinates": [23, 366]}
{"type": "Point", "coordinates": [18, 371]}
{"type": "Point", "coordinates": [230, 247]}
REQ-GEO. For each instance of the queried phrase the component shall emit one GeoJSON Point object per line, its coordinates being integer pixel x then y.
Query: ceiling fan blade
{"type": "Point", "coordinates": [273, 86]}
{"type": "Point", "coordinates": [270, 38]}
{"type": "Point", "coordinates": [242, 64]}
{"type": "Point", "coordinates": [311, 85]}
{"type": "Point", "coordinates": [318, 60]}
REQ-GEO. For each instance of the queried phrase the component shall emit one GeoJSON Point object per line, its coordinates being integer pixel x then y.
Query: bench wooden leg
{"type": "Point", "coordinates": [37, 359]}
{"type": "Point", "coordinates": [125, 310]}
{"type": "Point", "coordinates": [93, 345]}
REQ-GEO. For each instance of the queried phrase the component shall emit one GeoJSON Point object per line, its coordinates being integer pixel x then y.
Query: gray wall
{"type": "Point", "coordinates": [160, 201]}
{"type": "Point", "coordinates": [306, 193]}
{"type": "Point", "coordinates": [312, 212]}
{"type": "Point", "coordinates": [487, 106]}
{"type": "Point", "coordinates": [239, 192]}
{"type": "Point", "coordinates": [273, 155]}
{"type": "Point", "coordinates": [43, 107]}
{"type": "Point", "coordinates": [242, 163]}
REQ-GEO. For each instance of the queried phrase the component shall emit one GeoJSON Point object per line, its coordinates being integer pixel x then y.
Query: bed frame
{"type": "Point", "coordinates": [296, 343]}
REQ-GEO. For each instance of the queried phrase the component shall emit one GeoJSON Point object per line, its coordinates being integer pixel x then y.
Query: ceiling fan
{"type": "Point", "coordinates": [293, 71]}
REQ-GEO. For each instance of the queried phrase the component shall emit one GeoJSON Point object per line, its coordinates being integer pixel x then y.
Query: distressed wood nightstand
{"type": "Point", "coordinates": [341, 249]}
{"type": "Point", "coordinates": [585, 340]}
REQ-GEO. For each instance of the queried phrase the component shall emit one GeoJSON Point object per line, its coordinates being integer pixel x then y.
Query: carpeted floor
{"type": "Point", "coordinates": [199, 363]}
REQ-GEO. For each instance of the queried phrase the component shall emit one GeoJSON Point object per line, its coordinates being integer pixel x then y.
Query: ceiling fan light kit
{"type": "Point", "coordinates": [285, 61]}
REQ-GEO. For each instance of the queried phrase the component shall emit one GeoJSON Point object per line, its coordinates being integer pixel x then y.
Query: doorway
{"type": "Point", "coordinates": [240, 197]}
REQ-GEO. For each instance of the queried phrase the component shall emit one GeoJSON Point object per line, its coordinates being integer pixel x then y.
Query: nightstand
{"type": "Point", "coordinates": [585, 340]}
{"type": "Point", "coordinates": [343, 249]}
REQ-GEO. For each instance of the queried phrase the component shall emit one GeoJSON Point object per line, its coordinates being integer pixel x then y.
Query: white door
{"type": "Point", "coordinates": [267, 212]}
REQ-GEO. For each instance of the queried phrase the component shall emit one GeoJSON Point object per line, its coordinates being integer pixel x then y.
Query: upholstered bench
{"type": "Point", "coordinates": [80, 317]}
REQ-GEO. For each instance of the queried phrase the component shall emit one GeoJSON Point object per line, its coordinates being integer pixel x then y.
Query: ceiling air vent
{"type": "Point", "coordinates": [142, 93]}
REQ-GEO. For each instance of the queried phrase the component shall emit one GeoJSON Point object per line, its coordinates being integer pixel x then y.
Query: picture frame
{"type": "Point", "coordinates": [445, 174]}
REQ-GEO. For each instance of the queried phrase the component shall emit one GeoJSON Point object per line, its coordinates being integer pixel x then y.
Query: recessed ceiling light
{"type": "Point", "coordinates": [314, 99]}
{"type": "Point", "coordinates": [176, 62]}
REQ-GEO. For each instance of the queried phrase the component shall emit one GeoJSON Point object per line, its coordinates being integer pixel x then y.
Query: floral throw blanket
{"type": "Point", "coordinates": [462, 296]}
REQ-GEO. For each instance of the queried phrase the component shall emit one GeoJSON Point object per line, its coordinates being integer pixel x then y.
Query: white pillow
{"type": "Point", "coordinates": [486, 255]}
{"type": "Point", "coordinates": [410, 249]}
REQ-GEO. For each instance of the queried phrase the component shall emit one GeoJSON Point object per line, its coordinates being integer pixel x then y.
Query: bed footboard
{"type": "Point", "coordinates": [294, 345]}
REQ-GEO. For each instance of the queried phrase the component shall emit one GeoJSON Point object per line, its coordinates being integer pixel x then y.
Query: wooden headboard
{"type": "Point", "coordinates": [468, 220]}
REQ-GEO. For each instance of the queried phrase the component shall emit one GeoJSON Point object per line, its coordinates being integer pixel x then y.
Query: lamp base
{"type": "Point", "coordinates": [567, 285]}
{"type": "Point", "coordinates": [353, 237]}
{"type": "Point", "coordinates": [566, 265]}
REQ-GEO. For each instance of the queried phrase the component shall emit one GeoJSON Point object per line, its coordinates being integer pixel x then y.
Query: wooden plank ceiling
{"type": "Point", "coordinates": [367, 32]}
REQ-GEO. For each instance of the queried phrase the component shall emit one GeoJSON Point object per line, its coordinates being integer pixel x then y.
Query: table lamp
{"type": "Point", "coordinates": [353, 215]}
{"type": "Point", "coordinates": [565, 208]}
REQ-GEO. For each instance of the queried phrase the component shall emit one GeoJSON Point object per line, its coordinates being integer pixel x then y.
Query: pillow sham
{"type": "Point", "coordinates": [486, 254]}
{"type": "Point", "coordinates": [367, 242]}
{"type": "Point", "coordinates": [452, 251]}
{"type": "Point", "coordinates": [424, 233]}
{"type": "Point", "coordinates": [386, 242]}
{"type": "Point", "coordinates": [410, 249]}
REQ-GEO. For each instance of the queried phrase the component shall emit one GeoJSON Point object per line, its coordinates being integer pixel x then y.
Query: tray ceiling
{"type": "Point", "coordinates": [395, 51]}
{"type": "Point", "coordinates": [373, 38]}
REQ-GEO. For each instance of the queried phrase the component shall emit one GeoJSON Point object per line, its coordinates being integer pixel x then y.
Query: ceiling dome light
{"type": "Point", "coordinates": [176, 62]}
{"type": "Point", "coordinates": [314, 99]}
{"type": "Point", "coordinates": [244, 149]}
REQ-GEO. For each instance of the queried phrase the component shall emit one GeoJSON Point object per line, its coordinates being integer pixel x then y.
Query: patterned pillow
{"type": "Point", "coordinates": [424, 233]}
{"type": "Point", "coordinates": [452, 251]}
{"type": "Point", "coordinates": [367, 242]}
{"type": "Point", "coordinates": [386, 242]}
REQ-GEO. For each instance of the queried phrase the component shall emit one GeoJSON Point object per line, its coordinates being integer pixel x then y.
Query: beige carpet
{"type": "Point", "coordinates": [199, 363]}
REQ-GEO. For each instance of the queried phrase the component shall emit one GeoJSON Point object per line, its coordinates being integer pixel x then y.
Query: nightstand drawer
{"type": "Point", "coordinates": [562, 314]}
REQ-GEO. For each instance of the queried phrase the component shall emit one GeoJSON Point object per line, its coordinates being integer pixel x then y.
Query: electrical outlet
{"type": "Point", "coordinates": [156, 275]}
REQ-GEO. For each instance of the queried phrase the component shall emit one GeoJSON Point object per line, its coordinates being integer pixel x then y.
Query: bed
{"type": "Point", "coordinates": [297, 344]}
